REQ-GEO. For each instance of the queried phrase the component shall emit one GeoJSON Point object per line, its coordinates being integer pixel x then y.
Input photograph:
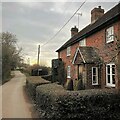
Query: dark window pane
{"type": "Point", "coordinates": [113, 66]}
{"type": "Point", "coordinates": [113, 69]}
{"type": "Point", "coordinates": [108, 78]}
{"type": "Point", "coordinates": [94, 71]}
{"type": "Point", "coordinates": [113, 79]}
{"type": "Point", "coordinates": [94, 79]}
{"type": "Point", "coordinates": [108, 69]}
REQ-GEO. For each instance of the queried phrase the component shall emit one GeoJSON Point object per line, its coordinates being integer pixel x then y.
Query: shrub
{"type": "Point", "coordinates": [47, 97]}
{"type": "Point", "coordinates": [55, 102]}
{"type": "Point", "coordinates": [47, 77]}
{"type": "Point", "coordinates": [37, 70]}
{"type": "Point", "coordinates": [32, 82]}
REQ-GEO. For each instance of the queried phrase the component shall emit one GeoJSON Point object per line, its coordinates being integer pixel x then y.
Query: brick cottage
{"type": "Point", "coordinates": [93, 54]}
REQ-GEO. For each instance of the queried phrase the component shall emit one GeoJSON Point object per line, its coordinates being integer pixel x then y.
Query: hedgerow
{"type": "Point", "coordinates": [32, 82]}
{"type": "Point", "coordinates": [47, 77]}
{"type": "Point", "coordinates": [54, 102]}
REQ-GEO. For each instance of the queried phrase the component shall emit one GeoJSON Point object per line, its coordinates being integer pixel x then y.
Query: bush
{"type": "Point", "coordinates": [32, 82]}
{"type": "Point", "coordinates": [55, 102]}
{"type": "Point", "coordinates": [47, 77]}
{"type": "Point", "coordinates": [47, 97]}
{"type": "Point", "coordinates": [91, 105]}
{"type": "Point", "coordinates": [37, 70]}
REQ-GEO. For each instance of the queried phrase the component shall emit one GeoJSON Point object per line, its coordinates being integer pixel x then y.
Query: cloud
{"type": "Point", "coordinates": [37, 22]}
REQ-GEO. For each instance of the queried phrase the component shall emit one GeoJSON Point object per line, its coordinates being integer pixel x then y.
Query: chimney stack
{"type": "Point", "coordinates": [74, 31]}
{"type": "Point", "coordinates": [96, 13]}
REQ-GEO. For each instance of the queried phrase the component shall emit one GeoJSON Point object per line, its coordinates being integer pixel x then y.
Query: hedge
{"type": "Point", "coordinates": [32, 82]}
{"type": "Point", "coordinates": [47, 77]}
{"type": "Point", "coordinates": [54, 102]}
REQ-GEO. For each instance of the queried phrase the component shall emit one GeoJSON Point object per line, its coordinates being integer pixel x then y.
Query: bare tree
{"type": "Point", "coordinates": [10, 55]}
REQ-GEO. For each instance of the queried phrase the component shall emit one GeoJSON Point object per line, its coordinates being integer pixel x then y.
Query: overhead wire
{"type": "Point", "coordinates": [64, 24]}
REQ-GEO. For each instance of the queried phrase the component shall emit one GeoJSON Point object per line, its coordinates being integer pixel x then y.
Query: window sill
{"type": "Point", "coordinates": [109, 86]}
{"type": "Point", "coordinates": [95, 84]}
{"type": "Point", "coordinates": [68, 77]}
{"type": "Point", "coordinates": [110, 41]}
{"type": "Point", "coordinates": [68, 55]}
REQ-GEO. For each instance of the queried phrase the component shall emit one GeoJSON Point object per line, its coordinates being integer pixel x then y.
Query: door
{"type": "Point", "coordinates": [81, 74]}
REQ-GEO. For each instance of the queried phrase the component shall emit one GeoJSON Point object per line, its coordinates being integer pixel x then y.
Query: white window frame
{"type": "Point", "coordinates": [111, 74]}
{"type": "Point", "coordinates": [110, 34]}
{"type": "Point", "coordinates": [82, 42]}
{"type": "Point", "coordinates": [68, 71]}
{"type": "Point", "coordinates": [69, 51]}
{"type": "Point", "coordinates": [96, 76]}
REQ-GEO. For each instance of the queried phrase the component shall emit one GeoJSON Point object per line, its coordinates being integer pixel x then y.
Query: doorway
{"type": "Point", "coordinates": [82, 74]}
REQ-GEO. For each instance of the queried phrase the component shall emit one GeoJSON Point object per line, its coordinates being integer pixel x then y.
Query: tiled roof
{"type": "Point", "coordinates": [89, 55]}
{"type": "Point", "coordinates": [108, 18]}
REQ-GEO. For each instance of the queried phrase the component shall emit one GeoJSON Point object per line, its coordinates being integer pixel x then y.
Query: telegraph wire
{"type": "Point", "coordinates": [64, 24]}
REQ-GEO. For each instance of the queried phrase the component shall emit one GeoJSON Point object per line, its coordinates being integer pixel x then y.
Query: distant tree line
{"type": "Point", "coordinates": [10, 54]}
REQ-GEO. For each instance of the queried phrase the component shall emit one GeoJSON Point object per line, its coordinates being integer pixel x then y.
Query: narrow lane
{"type": "Point", "coordinates": [0, 102]}
{"type": "Point", "coordinates": [15, 103]}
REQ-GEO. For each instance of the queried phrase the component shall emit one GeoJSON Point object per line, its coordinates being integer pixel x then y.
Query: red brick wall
{"type": "Point", "coordinates": [89, 77]}
{"type": "Point", "coordinates": [97, 40]}
{"type": "Point", "coordinates": [118, 75]}
{"type": "Point", "coordinates": [68, 59]}
{"type": "Point", "coordinates": [105, 50]}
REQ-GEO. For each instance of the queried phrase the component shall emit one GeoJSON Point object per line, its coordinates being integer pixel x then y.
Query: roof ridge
{"type": "Point", "coordinates": [93, 27]}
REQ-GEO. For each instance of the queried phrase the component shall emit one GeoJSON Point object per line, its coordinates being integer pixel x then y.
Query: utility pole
{"type": "Point", "coordinates": [38, 54]}
{"type": "Point", "coordinates": [79, 14]}
{"type": "Point", "coordinates": [28, 61]}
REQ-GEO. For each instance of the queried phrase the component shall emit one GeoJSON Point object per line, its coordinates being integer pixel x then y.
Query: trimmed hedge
{"type": "Point", "coordinates": [46, 99]}
{"type": "Point", "coordinates": [54, 102]}
{"type": "Point", "coordinates": [47, 77]}
{"type": "Point", "coordinates": [32, 82]}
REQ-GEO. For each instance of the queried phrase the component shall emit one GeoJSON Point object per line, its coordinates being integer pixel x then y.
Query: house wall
{"type": "Point", "coordinates": [105, 50]}
{"type": "Point", "coordinates": [68, 60]}
{"type": "Point", "coordinates": [118, 71]}
{"type": "Point", "coordinates": [89, 77]}
{"type": "Point", "coordinates": [98, 40]}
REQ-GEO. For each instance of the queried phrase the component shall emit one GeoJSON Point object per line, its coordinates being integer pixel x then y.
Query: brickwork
{"type": "Point", "coordinates": [68, 59]}
{"type": "Point", "coordinates": [98, 40]}
{"type": "Point", "coordinates": [105, 50]}
{"type": "Point", "coordinates": [89, 77]}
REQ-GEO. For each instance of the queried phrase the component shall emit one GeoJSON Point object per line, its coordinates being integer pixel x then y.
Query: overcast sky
{"type": "Point", "coordinates": [36, 23]}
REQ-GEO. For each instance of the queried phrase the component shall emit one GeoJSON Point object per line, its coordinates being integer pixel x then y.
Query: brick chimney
{"type": "Point", "coordinates": [96, 13]}
{"type": "Point", "coordinates": [74, 31]}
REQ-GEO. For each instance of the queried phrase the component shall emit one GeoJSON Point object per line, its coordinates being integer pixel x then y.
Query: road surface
{"type": "Point", "coordinates": [15, 103]}
{"type": "Point", "coordinates": [0, 102]}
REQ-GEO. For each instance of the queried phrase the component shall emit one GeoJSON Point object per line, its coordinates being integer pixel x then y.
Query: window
{"type": "Point", "coordinates": [68, 72]}
{"type": "Point", "coordinates": [109, 34]}
{"type": "Point", "coordinates": [94, 76]}
{"type": "Point", "coordinates": [110, 75]}
{"type": "Point", "coordinates": [68, 51]}
{"type": "Point", "coordinates": [82, 42]}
